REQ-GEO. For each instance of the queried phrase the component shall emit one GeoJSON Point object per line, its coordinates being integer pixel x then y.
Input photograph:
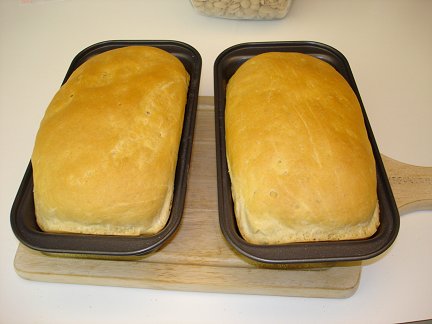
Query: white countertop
{"type": "Point", "coordinates": [389, 47]}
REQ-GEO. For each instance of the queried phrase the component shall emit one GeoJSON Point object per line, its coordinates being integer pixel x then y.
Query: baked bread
{"type": "Point", "coordinates": [105, 154]}
{"type": "Point", "coordinates": [300, 162]}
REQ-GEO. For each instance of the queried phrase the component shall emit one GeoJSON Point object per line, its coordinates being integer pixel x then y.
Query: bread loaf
{"type": "Point", "coordinates": [105, 154]}
{"type": "Point", "coordinates": [300, 162]}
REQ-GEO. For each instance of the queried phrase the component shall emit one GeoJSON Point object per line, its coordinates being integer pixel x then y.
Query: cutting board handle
{"type": "Point", "coordinates": [411, 185]}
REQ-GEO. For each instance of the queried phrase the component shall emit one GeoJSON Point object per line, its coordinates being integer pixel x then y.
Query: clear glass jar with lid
{"type": "Point", "coordinates": [243, 9]}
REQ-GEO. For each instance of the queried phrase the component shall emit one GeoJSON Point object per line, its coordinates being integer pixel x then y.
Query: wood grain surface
{"type": "Point", "coordinates": [198, 258]}
{"type": "Point", "coordinates": [411, 185]}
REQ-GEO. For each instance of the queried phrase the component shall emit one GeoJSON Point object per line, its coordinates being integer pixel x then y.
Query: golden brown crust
{"type": "Point", "coordinates": [105, 154]}
{"type": "Point", "coordinates": [301, 164]}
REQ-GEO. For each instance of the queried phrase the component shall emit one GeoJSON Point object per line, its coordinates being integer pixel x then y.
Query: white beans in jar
{"type": "Point", "coordinates": [243, 9]}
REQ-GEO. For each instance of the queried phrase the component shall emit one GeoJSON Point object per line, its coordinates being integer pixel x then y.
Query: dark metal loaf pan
{"type": "Point", "coordinates": [349, 250]}
{"type": "Point", "coordinates": [23, 219]}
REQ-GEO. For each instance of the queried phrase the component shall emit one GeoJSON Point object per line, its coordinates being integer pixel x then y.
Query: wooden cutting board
{"type": "Point", "coordinates": [198, 258]}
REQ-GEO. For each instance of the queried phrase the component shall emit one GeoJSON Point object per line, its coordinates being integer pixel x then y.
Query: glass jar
{"type": "Point", "coordinates": [243, 9]}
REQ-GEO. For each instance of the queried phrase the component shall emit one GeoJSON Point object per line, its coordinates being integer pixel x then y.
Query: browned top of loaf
{"type": "Point", "coordinates": [300, 161]}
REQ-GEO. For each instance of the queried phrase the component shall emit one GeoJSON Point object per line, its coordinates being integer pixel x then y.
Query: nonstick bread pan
{"type": "Point", "coordinates": [310, 252]}
{"type": "Point", "coordinates": [23, 219]}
